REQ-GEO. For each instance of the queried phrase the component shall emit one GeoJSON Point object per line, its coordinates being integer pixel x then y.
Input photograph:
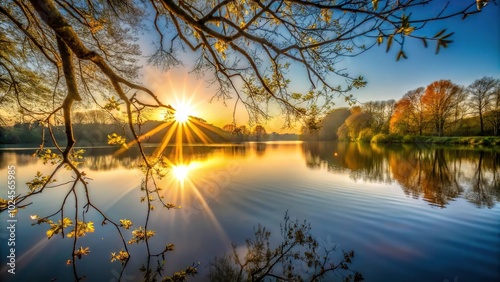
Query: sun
{"type": "Point", "coordinates": [182, 113]}
{"type": "Point", "coordinates": [180, 171]}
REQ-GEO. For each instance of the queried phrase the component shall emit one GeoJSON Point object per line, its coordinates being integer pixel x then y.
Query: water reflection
{"type": "Point", "coordinates": [436, 174]}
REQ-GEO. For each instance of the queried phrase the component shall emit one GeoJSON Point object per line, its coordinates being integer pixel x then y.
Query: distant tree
{"type": "Point", "coordinates": [401, 118]}
{"type": "Point", "coordinates": [380, 114]}
{"type": "Point", "coordinates": [259, 132]}
{"type": "Point", "coordinates": [354, 124]}
{"type": "Point", "coordinates": [408, 116]}
{"type": "Point", "coordinates": [495, 110]}
{"type": "Point", "coordinates": [460, 112]}
{"type": "Point", "coordinates": [312, 124]}
{"type": "Point", "coordinates": [243, 130]}
{"type": "Point", "coordinates": [481, 93]}
{"type": "Point", "coordinates": [231, 128]}
{"type": "Point", "coordinates": [331, 123]}
{"type": "Point", "coordinates": [440, 100]}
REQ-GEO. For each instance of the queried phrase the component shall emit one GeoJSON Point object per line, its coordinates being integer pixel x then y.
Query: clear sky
{"type": "Point", "coordinates": [474, 53]}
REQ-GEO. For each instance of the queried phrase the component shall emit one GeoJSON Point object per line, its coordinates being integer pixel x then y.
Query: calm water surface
{"type": "Point", "coordinates": [409, 213]}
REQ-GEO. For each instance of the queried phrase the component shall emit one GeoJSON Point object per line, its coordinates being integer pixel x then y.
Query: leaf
{"type": "Point", "coordinates": [408, 30]}
{"type": "Point", "coordinates": [401, 54]}
{"type": "Point", "coordinates": [81, 229]}
{"type": "Point", "coordinates": [375, 4]}
{"type": "Point", "coordinates": [480, 4]}
{"type": "Point", "coordinates": [380, 39]}
{"type": "Point", "coordinates": [81, 252]}
{"type": "Point", "coordinates": [448, 35]}
{"type": "Point", "coordinates": [122, 256]}
{"type": "Point", "coordinates": [425, 42]}
{"type": "Point", "coordinates": [125, 223]}
{"type": "Point", "coordinates": [439, 33]}
{"type": "Point", "coordinates": [389, 42]}
{"type": "Point", "coordinates": [55, 228]}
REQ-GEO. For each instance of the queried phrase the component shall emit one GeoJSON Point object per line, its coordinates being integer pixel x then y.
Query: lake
{"type": "Point", "coordinates": [410, 213]}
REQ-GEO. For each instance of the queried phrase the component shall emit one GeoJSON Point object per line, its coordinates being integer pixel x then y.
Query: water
{"type": "Point", "coordinates": [410, 213]}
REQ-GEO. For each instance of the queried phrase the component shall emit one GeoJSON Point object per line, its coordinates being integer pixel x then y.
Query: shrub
{"type": "Point", "coordinates": [409, 139]}
{"type": "Point", "coordinates": [379, 138]}
{"type": "Point", "coordinates": [365, 135]}
{"type": "Point", "coordinates": [387, 138]}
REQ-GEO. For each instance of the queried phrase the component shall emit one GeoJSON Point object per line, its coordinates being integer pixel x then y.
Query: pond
{"type": "Point", "coordinates": [410, 213]}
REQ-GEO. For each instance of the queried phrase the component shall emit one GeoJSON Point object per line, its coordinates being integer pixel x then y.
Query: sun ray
{"type": "Point", "coordinates": [166, 138]}
{"type": "Point", "coordinates": [189, 134]}
{"type": "Point", "coordinates": [194, 126]}
{"type": "Point", "coordinates": [142, 137]}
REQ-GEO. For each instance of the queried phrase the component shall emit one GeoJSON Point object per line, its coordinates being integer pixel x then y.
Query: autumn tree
{"type": "Point", "coordinates": [440, 100]}
{"type": "Point", "coordinates": [481, 96]}
{"type": "Point", "coordinates": [354, 124]}
{"type": "Point", "coordinates": [408, 116]}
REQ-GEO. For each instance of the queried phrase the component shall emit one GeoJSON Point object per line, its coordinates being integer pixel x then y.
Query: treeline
{"type": "Point", "coordinates": [442, 108]}
{"type": "Point", "coordinates": [96, 134]}
{"type": "Point", "coordinates": [256, 133]}
{"type": "Point", "coordinates": [95, 128]}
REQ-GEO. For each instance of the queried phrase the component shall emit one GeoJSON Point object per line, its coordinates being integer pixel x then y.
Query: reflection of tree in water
{"type": "Point", "coordinates": [361, 161]}
{"type": "Point", "coordinates": [437, 175]}
{"type": "Point", "coordinates": [485, 183]}
{"type": "Point", "coordinates": [260, 149]}
{"type": "Point", "coordinates": [427, 173]}
{"type": "Point", "coordinates": [20, 158]}
{"type": "Point", "coordinates": [103, 159]}
{"type": "Point", "coordinates": [440, 175]}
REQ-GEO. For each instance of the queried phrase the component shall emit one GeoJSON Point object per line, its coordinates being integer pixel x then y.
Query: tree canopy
{"type": "Point", "coordinates": [249, 47]}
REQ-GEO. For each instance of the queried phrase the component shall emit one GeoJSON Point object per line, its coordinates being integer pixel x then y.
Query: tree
{"type": "Point", "coordinates": [408, 116]}
{"type": "Point", "coordinates": [312, 124]}
{"type": "Point", "coordinates": [331, 123]}
{"type": "Point", "coordinates": [259, 132]}
{"type": "Point", "coordinates": [480, 96]}
{"type": "Point", "coordinates": [440, 99]}
{"type": "Point", "coordinates": [231, 128]}
{"type": "Point", "coordinates": [354, 124]}
{"type": "Point", "coordinates": [55, 54]}
{"type": "Point", "coordinates": [380, 114]}
{"type": "Point", "coordinates": [495, 110]}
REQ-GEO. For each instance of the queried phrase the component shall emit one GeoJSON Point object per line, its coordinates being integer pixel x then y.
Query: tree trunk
{"type": "Point", "coordinates": [481, 123]}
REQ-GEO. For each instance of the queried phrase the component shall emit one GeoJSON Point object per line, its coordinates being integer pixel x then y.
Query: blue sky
{"type": "Point", "coordinates": [474, 53]}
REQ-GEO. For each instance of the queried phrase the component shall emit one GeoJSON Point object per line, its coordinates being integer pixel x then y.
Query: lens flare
{"type": "Point", "coordinates": [182, 113]}
{"type": "Point", "coordinates": [180, 172]}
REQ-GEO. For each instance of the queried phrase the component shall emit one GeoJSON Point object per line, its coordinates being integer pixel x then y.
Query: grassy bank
{"type": "Point", "coordinates": [466, 140]}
